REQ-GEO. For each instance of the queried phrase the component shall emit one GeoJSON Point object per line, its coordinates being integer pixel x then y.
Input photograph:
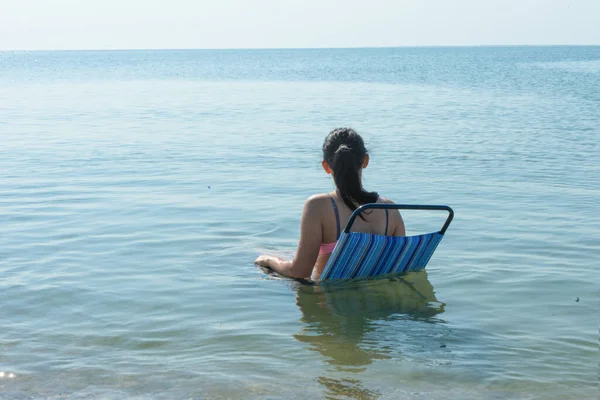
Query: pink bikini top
{"type": "Point", "coordinates": [327, 248]}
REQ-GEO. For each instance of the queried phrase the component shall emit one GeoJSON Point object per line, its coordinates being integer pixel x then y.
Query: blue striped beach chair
{"type": "Point", "coordinates": [362, 255]}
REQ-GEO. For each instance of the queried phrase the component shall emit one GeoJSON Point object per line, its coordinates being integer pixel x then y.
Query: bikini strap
{"type": "Point", "coordinates": [337, 216]}
{"type": "Point", "coordinates": [386, 221]}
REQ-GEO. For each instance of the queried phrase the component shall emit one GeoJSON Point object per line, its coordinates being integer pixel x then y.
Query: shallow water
{"type": "Point", "coordinates": [137, 188]}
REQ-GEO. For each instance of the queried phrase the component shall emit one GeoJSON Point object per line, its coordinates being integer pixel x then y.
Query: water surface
{"type": "Point", "coordinates": [137, 188]}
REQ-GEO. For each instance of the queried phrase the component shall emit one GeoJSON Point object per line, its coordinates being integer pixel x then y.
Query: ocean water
{"type": "Point", "coordinates": [137, 188]}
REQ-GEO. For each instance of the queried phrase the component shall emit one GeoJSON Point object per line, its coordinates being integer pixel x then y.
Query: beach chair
{"type": "Point", "coordinates": [362, 255]}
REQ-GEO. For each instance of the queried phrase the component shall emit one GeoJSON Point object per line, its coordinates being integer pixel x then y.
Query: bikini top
{"type": "Point", "coordinates": [327, 248]}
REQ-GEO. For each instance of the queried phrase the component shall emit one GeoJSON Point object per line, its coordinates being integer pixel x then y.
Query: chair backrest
{"type": "Point", "coordinates": [360, 255]}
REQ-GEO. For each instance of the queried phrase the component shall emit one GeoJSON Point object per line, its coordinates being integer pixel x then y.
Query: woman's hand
{"type": "Point", "coordinates": [278, 265]}
{"type": "Point", "coordinates": [267, 261]}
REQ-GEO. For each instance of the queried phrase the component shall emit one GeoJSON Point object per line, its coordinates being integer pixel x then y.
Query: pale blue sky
{"type": "Point", "coordinates": [129, 24]}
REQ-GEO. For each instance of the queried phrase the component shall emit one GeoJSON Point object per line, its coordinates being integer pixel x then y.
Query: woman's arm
{"type": "Point", "coordinates": [397, 221]}
{"type": "Point", "coordinates": [399, 229]}
{"type": "Point", "coordinates": [311, 234]}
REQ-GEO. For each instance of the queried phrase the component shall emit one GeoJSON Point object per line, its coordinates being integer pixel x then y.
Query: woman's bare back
{"type": "Point", "coordinates": [377, 222]}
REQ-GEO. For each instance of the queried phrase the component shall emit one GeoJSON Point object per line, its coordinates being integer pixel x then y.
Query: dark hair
{"type": "Point", "coordinates": [345, 152]}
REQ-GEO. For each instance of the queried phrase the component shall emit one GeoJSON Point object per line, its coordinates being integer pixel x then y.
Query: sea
{"type": "Point", "coordinates": [138, 187]}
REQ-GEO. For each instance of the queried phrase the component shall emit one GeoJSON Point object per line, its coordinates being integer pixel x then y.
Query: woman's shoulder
{"type": "Point", "coordinates": [384, 200]}
{"type": "Point", "coordinates": [317, 203]}
{"type": "Point", "coordinates": [319, 198]}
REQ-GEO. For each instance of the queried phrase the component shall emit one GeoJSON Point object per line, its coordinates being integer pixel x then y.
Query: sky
{"type": "Point", "coordinates": [204, 24]}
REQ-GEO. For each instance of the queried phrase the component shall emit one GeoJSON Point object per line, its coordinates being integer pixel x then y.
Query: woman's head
{"type": "Point", "coordinates": [344, 156]}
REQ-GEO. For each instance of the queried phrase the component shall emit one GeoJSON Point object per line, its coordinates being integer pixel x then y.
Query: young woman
{"type": "Point", "coordinates": [325, 215]}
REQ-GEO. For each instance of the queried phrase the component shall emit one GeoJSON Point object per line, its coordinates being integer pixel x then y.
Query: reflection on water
{"type": "Point", "coordinates": [341, 322]}
{"type": "Point", "coordinates": [339, 388]}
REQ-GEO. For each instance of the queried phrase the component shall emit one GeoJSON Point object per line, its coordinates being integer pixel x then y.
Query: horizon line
{"type": "Point", "coordinates": [299, 48]}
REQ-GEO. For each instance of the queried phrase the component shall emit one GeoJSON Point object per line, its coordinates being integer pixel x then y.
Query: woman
{"type": "Point", "coordinates": [324, 215]}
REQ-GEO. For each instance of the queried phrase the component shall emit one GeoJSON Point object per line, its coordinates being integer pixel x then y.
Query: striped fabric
{"type": "Point", "coordinates": [359, 255]}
